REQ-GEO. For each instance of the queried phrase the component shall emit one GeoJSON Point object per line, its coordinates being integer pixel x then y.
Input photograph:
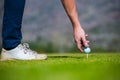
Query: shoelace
{"type": "Point", "coordinates": [27, 49]}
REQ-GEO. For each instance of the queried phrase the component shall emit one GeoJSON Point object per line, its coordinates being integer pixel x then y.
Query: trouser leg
{"type": "Point", "coordinates": [12, 20]}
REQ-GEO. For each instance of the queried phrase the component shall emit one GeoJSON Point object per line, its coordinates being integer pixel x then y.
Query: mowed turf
{"type": "Point", "coordinates": [64, 67]}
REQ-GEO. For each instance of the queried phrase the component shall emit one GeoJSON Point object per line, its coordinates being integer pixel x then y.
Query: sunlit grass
{"type": "Point", "coordinates": [64, 67]}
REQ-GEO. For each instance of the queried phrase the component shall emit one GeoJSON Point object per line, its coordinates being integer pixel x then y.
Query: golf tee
{"type": "Point", "coordinates": [87, 56]}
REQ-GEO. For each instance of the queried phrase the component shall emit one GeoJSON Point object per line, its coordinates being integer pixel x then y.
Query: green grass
{"type": "Point", "coordinates": [64, 67]}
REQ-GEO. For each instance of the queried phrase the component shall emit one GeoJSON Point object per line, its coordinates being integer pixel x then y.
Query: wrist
{"type": "Point", "coordinates": [77, 26]}
{"type": "Point", "coordinates": [75, 23]}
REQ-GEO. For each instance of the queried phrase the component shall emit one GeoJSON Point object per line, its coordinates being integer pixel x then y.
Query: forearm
{"type": "Point", "coordinates": [79, 34]}
{"type": "Point", "coordinates": [70, 7]}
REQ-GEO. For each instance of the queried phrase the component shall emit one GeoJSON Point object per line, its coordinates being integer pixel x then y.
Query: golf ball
{"type": "Point", "coordinates": [87, 50]}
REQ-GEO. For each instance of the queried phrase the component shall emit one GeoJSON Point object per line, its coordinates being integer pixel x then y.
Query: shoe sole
{"type": "Point", "coordinates": [3, 59]}
{"type": "Point", "coordinates": [6, 59]}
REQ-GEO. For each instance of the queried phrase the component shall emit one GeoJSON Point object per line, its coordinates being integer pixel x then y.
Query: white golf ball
{"type": "Point", "coordinates": [87, 50]}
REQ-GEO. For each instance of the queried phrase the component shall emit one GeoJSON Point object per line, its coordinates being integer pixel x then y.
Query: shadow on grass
{"type": "Point", "coordinates": [80, 57]}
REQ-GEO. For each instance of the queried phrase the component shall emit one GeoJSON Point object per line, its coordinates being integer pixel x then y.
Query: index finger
{"type": "Point", "coordinates": [79, 45]}
{"type": "Point", "coordinates": [85, 42]}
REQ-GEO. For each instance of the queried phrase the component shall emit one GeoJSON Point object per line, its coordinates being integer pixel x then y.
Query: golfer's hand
{"type": "Point", "coordinates": [80, 38]}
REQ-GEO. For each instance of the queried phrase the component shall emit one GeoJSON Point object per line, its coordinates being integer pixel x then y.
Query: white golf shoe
{"type": "Point", "coordinates": [21, 52]}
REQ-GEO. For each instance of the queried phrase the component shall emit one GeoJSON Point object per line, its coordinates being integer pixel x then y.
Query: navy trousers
{"type": "Point", "coordinates": [12, 20]}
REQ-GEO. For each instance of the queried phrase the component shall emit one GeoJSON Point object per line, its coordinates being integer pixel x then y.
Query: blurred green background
{"type": "Point", "coordinates": [47, 28]}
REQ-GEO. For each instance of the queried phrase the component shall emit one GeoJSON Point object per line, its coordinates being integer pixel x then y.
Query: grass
{"type": "Point", "coordinates": [64, 67]}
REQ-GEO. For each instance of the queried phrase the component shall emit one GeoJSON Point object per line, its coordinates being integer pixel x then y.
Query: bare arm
{"type": "Point", "coordinates": [79, 34]}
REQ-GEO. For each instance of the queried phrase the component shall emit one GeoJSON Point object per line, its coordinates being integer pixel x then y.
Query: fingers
{"type": "Point", "coordinates": [79, 45]}
{"type": "Point", "coordinates": [86, 35]}
{"type": "Point", "coordinates": [85, 42]}
{"type": "Point", "coordinates": [82, 42]}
